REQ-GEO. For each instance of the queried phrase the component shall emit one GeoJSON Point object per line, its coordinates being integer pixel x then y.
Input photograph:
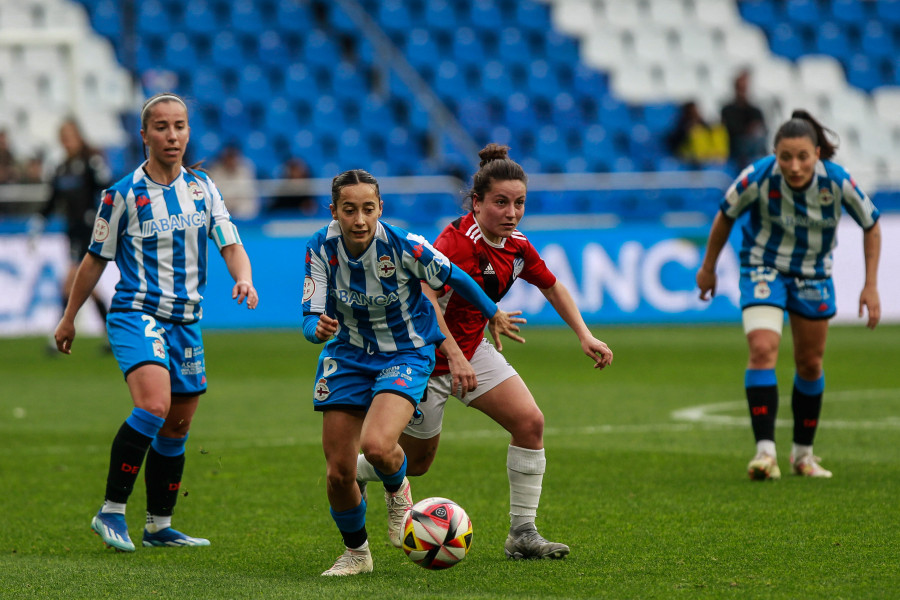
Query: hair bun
{"type": "Point", "coordinates": [493, 152]}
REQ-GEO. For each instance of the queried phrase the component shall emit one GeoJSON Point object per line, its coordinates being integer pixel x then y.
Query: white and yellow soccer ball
{"type": "Point", "coordinates": [437, 533]}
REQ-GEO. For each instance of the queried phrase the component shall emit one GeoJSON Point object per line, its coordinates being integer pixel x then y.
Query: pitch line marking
{"type": "Point", "coordinates": [705, 413]}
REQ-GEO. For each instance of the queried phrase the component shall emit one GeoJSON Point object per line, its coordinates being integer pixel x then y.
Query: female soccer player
{"type": "Point", "coordinates": [363, 287]}
{"type": "Point", "coordinates": [155, 223]}
{"type": "Point", "coordinates": [486, 243]}
{"type": "Point", "coordinates": [792, 201]}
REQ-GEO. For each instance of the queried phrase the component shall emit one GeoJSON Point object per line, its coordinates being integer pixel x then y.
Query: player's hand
{"type": "Point", "coordinates": [598, 351]}
{"type": "Point", "coordinates": [326, 327]}
{"type": "Point", "coordinates": [244, 289]}
{"type": "Point", "coordinates": [462, 374]}
{"type": "Point", "coordinates": [504, 323]}
{"type": "Point", "coordinates": [870, 299]}
{"type": "Point", "coordinates": [706, 281]}
{"type": "Point", "coordinates": [64, 335]}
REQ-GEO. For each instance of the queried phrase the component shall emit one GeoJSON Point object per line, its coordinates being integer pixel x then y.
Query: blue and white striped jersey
{"type": "Point", "coordinates": [158, 236]}
{"type": "Point", "coordinates": [376, 298]}
{"type": "Point", "coordinates": [794, 231]}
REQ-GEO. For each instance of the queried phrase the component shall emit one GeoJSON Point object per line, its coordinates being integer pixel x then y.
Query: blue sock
{"type": "Point", "coordinates": [352, 524]}
{"type": "Point", "coordinates": [393, 482]}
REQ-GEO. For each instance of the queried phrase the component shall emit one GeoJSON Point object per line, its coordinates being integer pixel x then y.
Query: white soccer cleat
{"type": "Point", "coordinates": [398, 503]}
{"type": "Point", "coordinates": [808, 466]}
{"type": "Point", "coordinates": [763, 466]}
{"type": "Point", "coordinates": [351, 562]}
{"type": "Point", "coordinates": [526, 542]}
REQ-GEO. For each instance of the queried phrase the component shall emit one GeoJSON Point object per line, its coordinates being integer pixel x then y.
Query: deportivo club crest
{"type": "Point", "coordinates": [196, 192]}
{"type": "Point", "coordinates": [825, 197]}
{"type": "Point", "coordinates": [322, 390]}
{"type": "Point", "coordinates": [385, 267]}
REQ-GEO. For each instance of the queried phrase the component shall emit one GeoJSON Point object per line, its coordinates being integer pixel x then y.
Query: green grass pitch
{"type": "Point", "coordinates": [655, 503]}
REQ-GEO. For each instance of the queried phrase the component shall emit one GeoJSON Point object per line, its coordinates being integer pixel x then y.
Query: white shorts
{"type": "Point", "coordinates": [491, 369]}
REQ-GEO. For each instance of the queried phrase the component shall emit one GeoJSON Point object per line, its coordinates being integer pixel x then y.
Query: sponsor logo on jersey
{"type": "Point", "coordinates": [192, 367]}
{"type": "Point", "coordinates": [101, 230]}
{"type": "Point", "coordinates": [418, 249]}
{"type": "Point", "coordinates": [806, 221]}
{"type": "Point", "coordinates": [322, 390]}
{"type": "Point", "coordinates": [353, 298]}
{"type": "Point", "coordinates": [386, 268]}
{"type": "Point", "coordinates": [518, 265]}
{"type": "Point", "coordinates": [399, 382]}
{"type": "Point", "coordinates": [432, 269]}
{"type": "Point", "coordinates": [774, 194]}
{"type": "Point", "coordinates": [196, 192]}
{"type": "Point", "coordinates": [193, 351]}
{"type": "Point", "coordinates": [309, 288]}
{"type": "Point", "coordinates": [108, 199]}
{"type": "Point", "coordinates": [489, 270]}
{"type": "Point", "coordinates": [194, 220]}
{"type": "Point", "coordinates": [333, 261]}
{"type": "Point", "coordinates": [142, 201]}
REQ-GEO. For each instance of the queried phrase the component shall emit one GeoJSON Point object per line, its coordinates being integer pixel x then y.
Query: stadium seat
{"type": "Point", "coordinates": [864, 73]}
{"type": "Point", "coordinates": [319, 50]}
{"type": "Point", "coordinates": [300, 83]}
{"type": "Point", "coordinates": [760, 12]}
{"type": "Point", "coordinates": [512, 48]}
{"type": "Point", "coordinates": [888, 11]}
{"type": "Point", "coordinates": [832, 39]}
{"type": "Point", "coordinates": [272, 50]}
{"type": "Point", "coordinates": [575, 17]}
{"type": "Point", "coordinates": [467, 47]}
{"type": "Point", "coordinates": [226, 52]}
{"type": "Point", "coordinates": [669, 13]}
{"type": "Point", "coordinates": [253, 85]}
{"type": "Point", "coordinates": [542, 81]}
{"type": "Point", "coordinates": [877, 42]}
{"type": "Point", "coordinates": [107, 19]}
{"type": "Point", "coordinates": [532, 15]}
{"type": "Point", "coordinates": [485, 16]}
{"type": "Point", "coordinates": [849, 12]}
{"type": "Point", "coordinates": [199, 16]}
{"type": "Point", "coordinates": [886, 102]}
{"type": "Point", "coordinates": [179, 51]}
{"type": "Point", "coordinates": [495, 80]}
{"type": "Point", "coordinates": [421, 49]}
{"type": "Point", "coordinates": [292, 16]}
{"type": "Point", "coordinates": [348, 82]}
{"type": "Point", "coordinates": [440, 16]}
{"type": "Point", "coordinates": [152, 16]}
{"type": "Point", "coordinates": [787, 41]}
{"type": "Point", "coordinates": [245, 18]}
{"type": "Point", "coordinates": [820, 74]}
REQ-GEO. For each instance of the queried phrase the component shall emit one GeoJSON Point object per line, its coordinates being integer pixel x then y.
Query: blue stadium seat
{"type": "Point", "coordinates": [353, 149]}
{"type": "Point", "coordinates": [448, 80]}
{"type": "Point", "coordinates": [107, 18]}
{"type": "Point", "coordinates": [467, 47]}
{"type": "Point", "coordinates": [293, 16]}
{"type": "Point", "coordinates": [803, 11]}
{"type": "Point", "coordinates": [236, 123]}
{"type": "Point", "coordinates": [207, 86]}
{"type": "Point", "coordinates": [327, 116]}
{"type": "Point", "coordinates": [850, 12]}
{"type": "Point", "coordinates": [660, 117]}
{"type": "Point", "coordinates": [888, 11]}
{"type": "Point", "coordinates": [533, 16]}
{"type": "Point", "coordinates": [253, 85]}
{"type": "Point", "coordinates": [561, 48]}
{"type": "Point", "coordinates": [485, 16]}
{"type": "Point", "coordinates": [550, 147]}
{"type": "Point", "coordinates": [760, 12]}
{"type": "Point", "coordinates": [614, 114]}
{"type": "Point", "coordinates": [201, 16]}
{"type": "Point", "coordinates": [319, 49]}
{"type": "Point", "coordinates": [598, 148]}
{"type": "Point", "coordinates": [542, 81]}
{"type": "Point", "coordinates": [421, 48]}
{"type": "Point", "coordinates": [440, 16]}
{"type": "Point", "coordinates": [374, 115]}
{"type": "Point", "coordinates": [245, 18]}
{"type": "Point", "coordinates": [832, 39]}
{"type": "Point", "coordinates": [348, 82]}
{"type": "Point", "coordinates": [565, 112]}
{"type": "Point", "coordinates": [152, 16]}
{"type": "Point", "coordinates": [512, 48]}
{"type": "Point", "coordinates": [519, 113]}
{"type": "Point", "coordinates": [877, 41]}
{"type": "Point", "coordinates": [394, 17]}
{"type": "Point", "coordinates": [864, 73]}
{"type": "Point", "coordinates": [180, 51]}
{"type": "Point", "coordinates": [786, 41]}
{"type": "Point", "coordinates": [338, 20]}
{"type": "Point", "coordinates": [272, 50]}
{"type": "Point", "coordinates": [226, 51]}
{"type": "Point", "coordinates": [495, 80]}
{"type": "Point", "coordinates": [589, 83]}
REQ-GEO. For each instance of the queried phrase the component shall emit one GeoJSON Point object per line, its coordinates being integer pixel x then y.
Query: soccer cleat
{"type": "Point", "coordinates": [171, 538]}
{"type": "Point", "coordinates": [526, 542]}
{"type": "Point", "coordinates": [351, 562]}
{"type": "Point", "coordinates": [398, 503]}
{"type": "Point", "coordinates": [808, 466]}
{"type": "Point", "coordinates": [762, 467]}
{"type": "Point", "coordinates": [113, 531]}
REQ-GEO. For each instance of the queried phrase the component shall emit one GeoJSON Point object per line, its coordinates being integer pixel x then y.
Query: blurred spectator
{"type": "Point", "coordinates": [33, 169]}
{"type": "Point", "coordinates": [75, 190]}
{"type": "Point", "coordinates": [9, 173]}
{"type": "Point", "coordinates": [745, 124]}
{"type": "Point", "coordinates": [235, 176]}
{"type": "Point", "coordinates": [290, 196]}
{"type": "Point", "coordinates": [695, 141]}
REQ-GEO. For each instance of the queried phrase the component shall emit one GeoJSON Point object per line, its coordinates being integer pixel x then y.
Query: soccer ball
{"type": "Point", "coordinates": [437, 533]}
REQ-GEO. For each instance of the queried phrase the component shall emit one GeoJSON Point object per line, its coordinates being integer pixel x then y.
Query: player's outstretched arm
{"type": "Point", "coordinates": [718, 237]}
{"type": "Point", "coordinates": [560, 299]}
{"type": "Point", "coordinates": [869, 297]}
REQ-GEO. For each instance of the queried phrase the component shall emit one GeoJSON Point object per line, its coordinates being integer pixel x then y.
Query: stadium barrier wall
{"type": "Point", "coordinates": [623, 275]}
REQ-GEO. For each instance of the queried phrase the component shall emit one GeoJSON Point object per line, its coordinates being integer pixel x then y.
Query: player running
{"type": "Point", "coordinates": [791, 202]}
{"type": "Point", "coordinates": [362, 292]}
{"type": "Point", "coordinates": [487, 244]}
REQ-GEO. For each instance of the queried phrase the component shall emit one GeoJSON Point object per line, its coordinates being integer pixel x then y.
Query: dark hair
{"type": "Point", "coordinates": [495, 165]}
{"type": "Point", "coordinates": [351, 177]}
{"type": "Point", "coordinates": [86, 151]}
{"type": "Point", "coordinates": [802, 124]}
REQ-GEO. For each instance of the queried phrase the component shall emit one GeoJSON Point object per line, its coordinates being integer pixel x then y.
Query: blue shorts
{"type": "Point", "coordinates": [809, 298]}
{"type": "Point", "coordinates": [348, 377]}
{"type": "Point", "coordinates": [139, 339]}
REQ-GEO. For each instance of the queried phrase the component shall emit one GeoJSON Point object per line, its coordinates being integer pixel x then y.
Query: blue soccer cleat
{"type": "Point", "coordinates": [113, 531]}
{"type": "Point", "coordinates": [172, 538]}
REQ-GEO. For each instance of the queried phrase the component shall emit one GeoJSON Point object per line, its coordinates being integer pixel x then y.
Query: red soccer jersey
{"type": "Point", "coordinates": [494, 268]}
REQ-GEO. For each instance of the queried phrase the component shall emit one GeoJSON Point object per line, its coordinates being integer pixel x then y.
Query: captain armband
{"type": "Point", "coordinates": [226, 234]}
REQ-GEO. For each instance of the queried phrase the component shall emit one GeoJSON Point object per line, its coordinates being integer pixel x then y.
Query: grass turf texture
{"type": "Point", "coordinates": [652, 506]}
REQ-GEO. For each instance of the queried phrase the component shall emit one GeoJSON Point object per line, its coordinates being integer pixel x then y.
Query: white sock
{"type": "Point", "coordinates": [156, 523]}
{"type": "Point", "coordinates": [767, 446]}
{"type": "Point", "coordinates": [365, 544]}
{"type": "Point", "coordinates": [798, 451]}
{"type": "Point", "coordinates": [113, 507]}
{"type": "Point", "coordinates": [525, 469]}
{"type": "Point", "coordinates": [364, 469]}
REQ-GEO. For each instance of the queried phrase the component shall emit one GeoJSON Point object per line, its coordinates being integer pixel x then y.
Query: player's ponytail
{"type": "Point", "coordinates": [802, 124]}
{"type": "Point", "coordinates": [495, 165]}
